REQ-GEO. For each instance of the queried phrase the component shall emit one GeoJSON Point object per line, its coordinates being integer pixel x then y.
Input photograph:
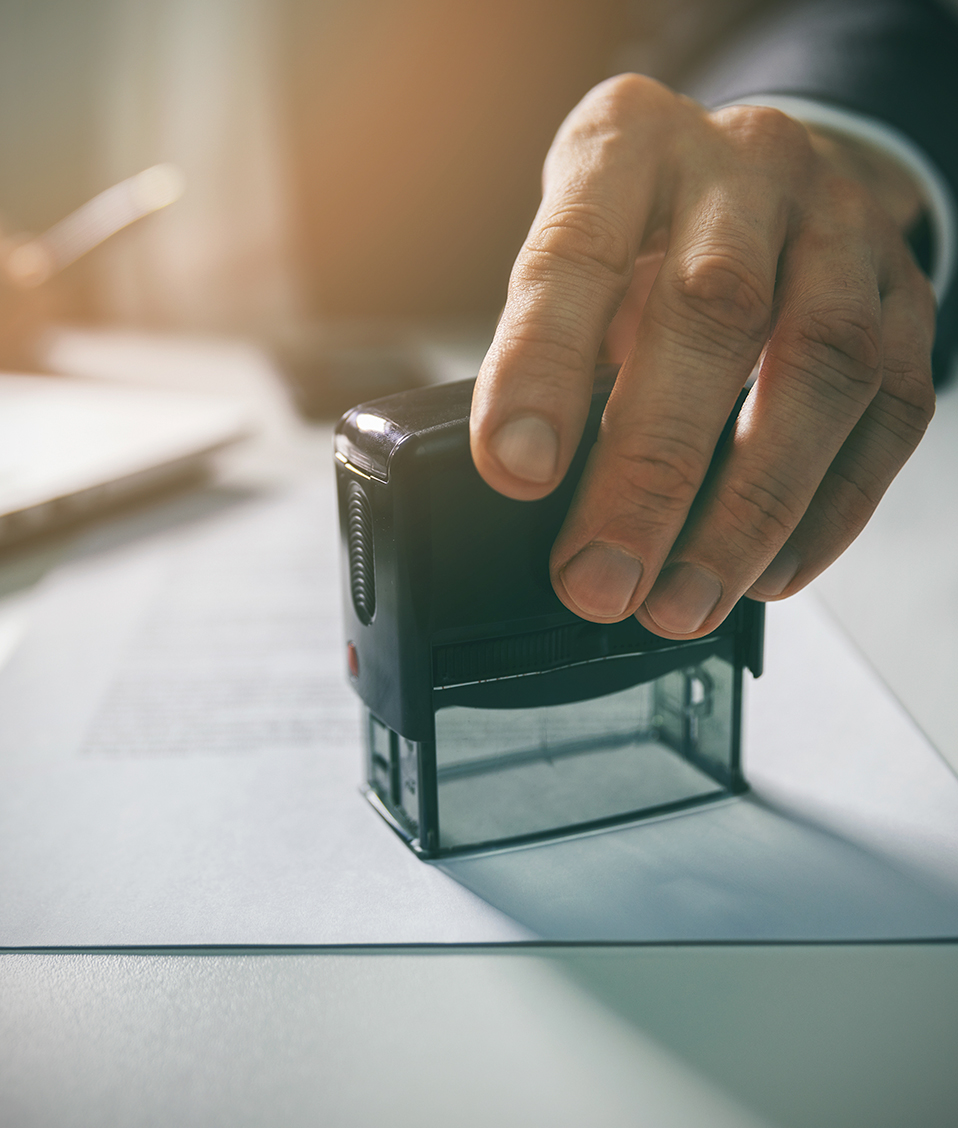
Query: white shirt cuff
{"type": "Point", "coordinates": [939, 200]}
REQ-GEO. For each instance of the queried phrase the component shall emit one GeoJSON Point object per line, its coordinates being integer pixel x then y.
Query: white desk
{"type": "Point", "coordinates": [814, 1035]}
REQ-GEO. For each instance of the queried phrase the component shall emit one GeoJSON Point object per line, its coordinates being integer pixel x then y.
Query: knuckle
{"type": "Point", "coordinates": [762, 512]}
{"type": "Point", "coordinates": [582, 235]}
{"type": "Point", "coordinates": [725, 296]}
{"type": "Point", "coordinates": [764, 134]}
{"type": "Point", "coordinates": [548, 354]}
{"type": "Point", "coordinates": [896, 421]}
{"type": "Point", "coordinates": [839, 346]}
{"type": "Point", "coordinates": [850, 216]}
{"type": "Point", "coordinates": [905, 403]}
{"type": "Point", "coordinates": [619, 116]}
{"type": "Point", "coordinates": [655, 488]}
{"type": "Point", "coordinates": [851, 497]}
{"type": "Point", "coordinates": [851, 205]}
{"type": "Point", "coordinates": [623, 96]}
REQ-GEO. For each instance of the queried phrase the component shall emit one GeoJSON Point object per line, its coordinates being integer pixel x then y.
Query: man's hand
{"type": "Point", "coordinates": [711, 243]}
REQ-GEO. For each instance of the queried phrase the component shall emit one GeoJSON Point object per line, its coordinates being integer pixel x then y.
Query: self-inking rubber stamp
{"type": "Point", "coordinates": [494, 715]}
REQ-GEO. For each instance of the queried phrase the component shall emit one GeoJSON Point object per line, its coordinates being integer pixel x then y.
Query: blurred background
{"type": "Point", "coordinates": [359, 175]}
{"type": "Point", "coordinates": [346, 162]}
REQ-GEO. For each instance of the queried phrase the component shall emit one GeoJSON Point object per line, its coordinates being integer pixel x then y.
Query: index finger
{"type": "Point", "coordinates": [602, 180]}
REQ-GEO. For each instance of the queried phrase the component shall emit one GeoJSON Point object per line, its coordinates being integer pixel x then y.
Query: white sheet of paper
{"type": "Point", "coordinates": [180, 762]}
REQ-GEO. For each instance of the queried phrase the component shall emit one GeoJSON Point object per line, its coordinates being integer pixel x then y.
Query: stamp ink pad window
{"type": "Point", "coordinates": [495, 716]}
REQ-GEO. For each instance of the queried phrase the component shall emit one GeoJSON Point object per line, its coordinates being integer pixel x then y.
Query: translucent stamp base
{"type": "Point", "coordinates": [497, 776]}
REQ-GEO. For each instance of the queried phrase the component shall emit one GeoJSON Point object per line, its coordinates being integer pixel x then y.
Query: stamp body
{"type": "Point", "coordinates": [494, 716]}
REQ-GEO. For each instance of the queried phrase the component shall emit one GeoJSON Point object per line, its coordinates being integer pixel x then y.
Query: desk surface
{"type": "Point", "coordinates": [805, 1037]}
{"type": "Point", "coordinates": [737, 1035]}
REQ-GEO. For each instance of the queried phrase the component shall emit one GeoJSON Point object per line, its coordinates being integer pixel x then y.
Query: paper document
{"type": "Point", "coordinates": [180, 764]}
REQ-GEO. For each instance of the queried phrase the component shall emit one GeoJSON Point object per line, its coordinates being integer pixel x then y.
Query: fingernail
{"type": "Point", "coordinates": [683, 598]}
{"type": "Point", "coordinates": [779, 574]}
{"type": "Point", "coordinates": [601, 580]}
{"type": "Point", "coordinates": [528, 448]}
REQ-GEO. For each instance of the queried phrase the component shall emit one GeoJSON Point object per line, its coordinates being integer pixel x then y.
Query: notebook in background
{"type": "Point", "coordinates": [70, 446]}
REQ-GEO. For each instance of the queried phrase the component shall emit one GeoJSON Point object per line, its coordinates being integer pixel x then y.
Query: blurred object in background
{"type": "Point", "coordinates": [416, 133]}
{"type": "Point", "coordinates": [415, 136]}
{"type": "Point", "coordinates": [71, 448]}
{"type": "Point", "coordinates": [327, 365]}
{"type": "Point", "coordinates": [29, 264]}
{"type": "Point", "coordinates": [671, 40]}
{"type": "Point", "coordinates": [193, 82]}
{"type": "Point", "coordinates": [91, 93]}
{"type": "Point", "coordinates": [349, 161]}
{"type": "Point", "coordinates": [417, 130]}
{"type": "Point", "coordinates": [357, 158]}
{"type": "Point", "coordinates": [24, 315]}
{"type": "Point", "coordinates": [31, 260]}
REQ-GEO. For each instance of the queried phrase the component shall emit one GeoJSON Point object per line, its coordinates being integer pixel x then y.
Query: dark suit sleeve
{"type": "Point", "coordinates": [895, 61]}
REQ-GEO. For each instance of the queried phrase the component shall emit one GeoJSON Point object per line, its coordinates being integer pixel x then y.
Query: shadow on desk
{"type": "Point", "coordinates": [857, 1036]}
{"type": "Point", "coordinates": [745, 870]}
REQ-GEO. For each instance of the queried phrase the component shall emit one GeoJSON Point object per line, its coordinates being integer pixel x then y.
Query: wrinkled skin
{"type": "Point", "coordinates": [696, 247]}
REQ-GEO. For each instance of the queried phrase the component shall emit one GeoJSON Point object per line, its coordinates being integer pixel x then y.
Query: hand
{"type": "Point", "coordinates": [706, 245]}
